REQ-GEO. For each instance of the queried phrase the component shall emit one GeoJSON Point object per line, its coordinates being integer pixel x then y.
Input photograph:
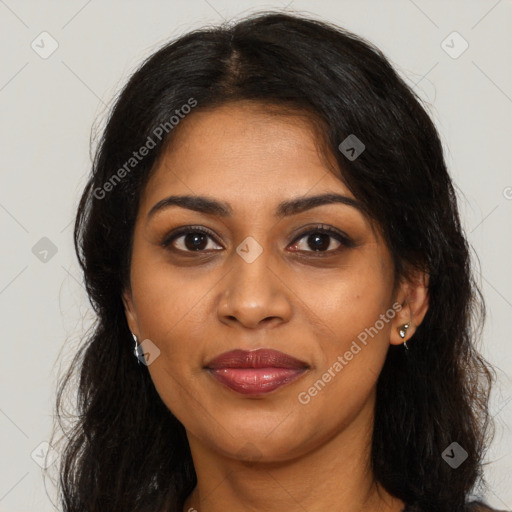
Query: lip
{"type": "Point", "coordinates": [255, 372]}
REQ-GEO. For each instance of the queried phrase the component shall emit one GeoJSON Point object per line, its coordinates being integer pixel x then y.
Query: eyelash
{"type": "Point", "coordinates": [339, 236]}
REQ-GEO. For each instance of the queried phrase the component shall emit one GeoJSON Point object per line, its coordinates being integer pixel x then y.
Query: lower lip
{"type": "Point", "coordinates": [256, 381]}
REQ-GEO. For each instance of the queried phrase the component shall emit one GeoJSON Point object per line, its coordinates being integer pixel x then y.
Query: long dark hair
{"type": "Point", "coordinates": [126, 451]}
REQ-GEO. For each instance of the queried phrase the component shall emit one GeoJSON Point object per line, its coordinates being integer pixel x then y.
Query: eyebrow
{"type": "Point", "coordinates": [287, 208]}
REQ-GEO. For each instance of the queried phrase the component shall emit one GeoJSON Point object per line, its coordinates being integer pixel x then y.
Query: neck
{"type": "Point", "coordinates": [336, 475]}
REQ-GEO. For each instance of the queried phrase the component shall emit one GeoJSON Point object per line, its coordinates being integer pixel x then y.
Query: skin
{"type": "Point", "coordinates": [269, 453]}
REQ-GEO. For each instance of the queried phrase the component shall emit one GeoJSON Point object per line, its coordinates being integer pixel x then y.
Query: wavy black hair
{"type": "Point", "coordinates": [126, 451]}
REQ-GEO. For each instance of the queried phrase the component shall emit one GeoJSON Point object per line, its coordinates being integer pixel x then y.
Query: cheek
{"type": "Point", "coordinates": [353, 315]}
{"type": "Point", "coordinates": [168, 311]}
{"type": "Point", "coordinates": [353, 349]}
{"type": "Point", "coordinates": [350, 300]}
{"type": "Point", "coordinates": [166, 297]}
{"type": "Point", "coordinates": [168, 306]}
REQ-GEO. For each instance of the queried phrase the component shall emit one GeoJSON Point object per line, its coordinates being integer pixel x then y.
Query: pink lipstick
{"type": "Point", "coordinates": [255, 372]}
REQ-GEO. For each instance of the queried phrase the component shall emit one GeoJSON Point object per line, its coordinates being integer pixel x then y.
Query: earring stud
{"type": "Point", "coordinates": [137, 350]}
{"type": "Point", "coordinates": [402, 330]}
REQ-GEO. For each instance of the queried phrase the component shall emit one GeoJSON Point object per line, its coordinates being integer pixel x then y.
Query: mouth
{"type": "Point", "coordinates": [255, 372]}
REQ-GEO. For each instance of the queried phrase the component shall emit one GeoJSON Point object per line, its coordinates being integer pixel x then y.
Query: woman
{"type": "Point", "coordinates": [271, 242]}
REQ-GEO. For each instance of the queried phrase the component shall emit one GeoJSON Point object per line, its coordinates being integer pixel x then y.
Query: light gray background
{"type": "Point", "coordinates": [48, 107]}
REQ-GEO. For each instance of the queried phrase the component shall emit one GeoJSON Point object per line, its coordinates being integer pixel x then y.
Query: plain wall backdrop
{"type": "Point", "coordinates": [63, 62]}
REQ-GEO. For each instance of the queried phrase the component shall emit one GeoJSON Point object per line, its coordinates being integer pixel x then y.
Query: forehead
{"type": "Point", "coordinates": [245, 151]}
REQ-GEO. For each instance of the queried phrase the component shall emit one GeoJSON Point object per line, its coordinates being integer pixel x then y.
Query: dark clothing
{"type": "Point", "coordinates": [474, 506]}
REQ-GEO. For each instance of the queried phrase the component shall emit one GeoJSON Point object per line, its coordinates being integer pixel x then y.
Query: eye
{"type": "Point", "coordinates": [191, 239]}
{"type": "Point", "coordinates": [321, 239]}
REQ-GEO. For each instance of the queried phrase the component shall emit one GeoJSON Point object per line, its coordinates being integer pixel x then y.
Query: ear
{"type": "Point", "coordinates": [412, 296]}
{"type": "Point", "coordinates": [130, 312]}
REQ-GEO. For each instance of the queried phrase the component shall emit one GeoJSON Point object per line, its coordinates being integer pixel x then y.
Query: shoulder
{"type": "Point", "coordinates": [479, 506]}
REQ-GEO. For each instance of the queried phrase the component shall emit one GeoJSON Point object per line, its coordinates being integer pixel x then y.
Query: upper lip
{"type": "Point", "coordinates": [259, 358]}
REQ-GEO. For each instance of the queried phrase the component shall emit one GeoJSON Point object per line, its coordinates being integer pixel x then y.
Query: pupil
{"type": "Point", "coordinates": [321, 241]}
{"type": "Point", "coordinates": [197, 241]}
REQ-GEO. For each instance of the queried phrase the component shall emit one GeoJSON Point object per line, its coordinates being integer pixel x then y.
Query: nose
{"type": "Point", "coordinates": [253, 295]}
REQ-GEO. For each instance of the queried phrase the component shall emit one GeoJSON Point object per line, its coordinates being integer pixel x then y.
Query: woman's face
{"type": "Point", "coordinates": [262, 276]}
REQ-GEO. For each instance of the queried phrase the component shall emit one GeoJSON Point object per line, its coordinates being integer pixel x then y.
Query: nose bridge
{"type": "Point", "coordinates": [252, 292]}
{"type": "Point", "coordinates": [251, 268]}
